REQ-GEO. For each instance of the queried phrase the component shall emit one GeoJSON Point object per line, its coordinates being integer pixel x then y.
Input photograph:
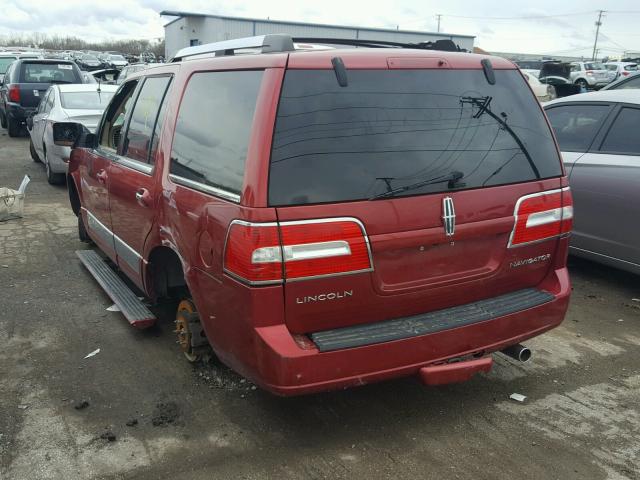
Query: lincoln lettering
{"type": "Point", "coordinates": [323, 297]}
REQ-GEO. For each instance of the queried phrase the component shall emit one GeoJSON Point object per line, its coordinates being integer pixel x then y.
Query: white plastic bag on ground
{"type": "Point", "coordinates": [12, 201]}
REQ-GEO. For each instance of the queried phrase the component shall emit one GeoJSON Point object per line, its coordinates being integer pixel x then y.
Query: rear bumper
{"type": "Point", "coordinates": [285, 368]}
{"type": "Point", "coordinates": [18, 112]}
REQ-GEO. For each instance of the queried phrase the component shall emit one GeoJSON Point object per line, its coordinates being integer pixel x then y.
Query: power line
{"type": "Point", "coordinates": [523, 17]}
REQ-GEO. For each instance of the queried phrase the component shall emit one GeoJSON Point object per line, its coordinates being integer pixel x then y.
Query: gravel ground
{"type": "Point", "coordinates": [138, 410]}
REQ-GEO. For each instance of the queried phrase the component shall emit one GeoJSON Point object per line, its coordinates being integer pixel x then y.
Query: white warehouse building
{"type": "Point", "coordinates": [189, 29]}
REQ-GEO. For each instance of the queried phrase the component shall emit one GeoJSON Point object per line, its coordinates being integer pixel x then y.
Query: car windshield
{"type": "Point", "coordinates": [49, 73]}
{"type": "Point", "coordinates": [594, 66]}
{"type": "Point", "coordinates": [404, 132]}
{"type": "Point", "coordinates": [5, 62]}
{"type": "Point", "coordinates": [89, 57]}
{"type": "Point", "coordinates": [612, 67]}
{"type": "Point", "coordinates": [92, 100]}
{"type": "Point", "coordinates": [116, 57]}
{"type": "Point", "coordinates": [631, 68]}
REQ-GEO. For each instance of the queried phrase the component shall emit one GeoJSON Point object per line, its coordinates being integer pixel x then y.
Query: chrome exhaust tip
{"type": "Point", "coordinates": [518, 352]}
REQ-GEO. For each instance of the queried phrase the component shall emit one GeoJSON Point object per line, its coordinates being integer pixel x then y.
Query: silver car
{"type": "Point", "coordinates": [82, 103]}
{"type": "Point", "coordinates": [599, 136]}
{"type": "Point", "coordinates": [591, 74]}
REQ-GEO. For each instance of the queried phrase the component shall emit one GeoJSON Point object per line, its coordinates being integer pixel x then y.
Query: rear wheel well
{"type": "Point", "coordinates": [74, 198]}
{"type": "Point", "coordinates": [166, 275]}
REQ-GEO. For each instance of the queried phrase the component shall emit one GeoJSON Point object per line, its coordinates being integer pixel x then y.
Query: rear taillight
{"type": "Point", "coordinates": [245, 253]}
{"type": "Point", "coordinates": [14, 93]}
{"type": "Point", "coordinates": [625, 73]}
{"type": "Point", "coordinates": [259, 253]}
{"type": "Point", "coordinates": [542, 216]}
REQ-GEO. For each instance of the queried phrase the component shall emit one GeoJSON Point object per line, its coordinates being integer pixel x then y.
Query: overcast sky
{"type": "Point", "coordinates": [539, 26]}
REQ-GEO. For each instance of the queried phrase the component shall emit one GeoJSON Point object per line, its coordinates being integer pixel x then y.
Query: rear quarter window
{"type": "Point", "coordinates": [213, 127]}
{"type": "Point", "coordinates": [390, 129]}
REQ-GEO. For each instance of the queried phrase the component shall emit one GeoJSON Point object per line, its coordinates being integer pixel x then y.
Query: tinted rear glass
{"type": "Point", "coordinates": [397, 128]}
{"type": "Point", "coordinates": [213, 128]}
{"type": "Point", "coordinates": [48, 73]}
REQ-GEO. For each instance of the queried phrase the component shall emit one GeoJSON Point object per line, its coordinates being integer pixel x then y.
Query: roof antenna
{"type": "Point", "coordinates": [341, 71]}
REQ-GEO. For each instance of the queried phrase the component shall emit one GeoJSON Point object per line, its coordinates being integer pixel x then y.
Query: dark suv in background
{"type": "Point", "coordinates": [326, 218]}
{"type": "Point", "coordinates": [24, 84]}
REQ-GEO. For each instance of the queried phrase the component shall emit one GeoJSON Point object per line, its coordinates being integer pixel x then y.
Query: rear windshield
{"type": "Point", "coordinates": [594, 66]}
{"type": "Point", "coordinates": [48, 73]}
{"type": "Point", "coordinates": [86, 100]}
{"type": "Point", "coordinates": [405, 132]}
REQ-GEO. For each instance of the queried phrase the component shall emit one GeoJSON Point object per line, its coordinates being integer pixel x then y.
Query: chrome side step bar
{"type": "Point", "coordinates": [136, 312]}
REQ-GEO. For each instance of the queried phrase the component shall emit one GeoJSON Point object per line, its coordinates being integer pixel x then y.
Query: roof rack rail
{"type": "Point", "coordinates": [442, 45]}
{"type": "Point", "coordinates": [285, 43]}
{"type": "Point", "coordinates": [268, 44]}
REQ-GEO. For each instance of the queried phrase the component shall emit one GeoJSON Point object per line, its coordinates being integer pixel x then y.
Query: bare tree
{"type": "Point", "coordinates": [57, 42]}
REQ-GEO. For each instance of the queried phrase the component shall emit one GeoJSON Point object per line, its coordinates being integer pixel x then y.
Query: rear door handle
{"type": "Point", "coordinates": [143, 197]}
{"type": "Point", "coordinates": [102, 176]}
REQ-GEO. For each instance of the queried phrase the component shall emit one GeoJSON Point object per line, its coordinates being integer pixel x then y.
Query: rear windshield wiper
{"type": "Point", "coordinates": [483, 104]}
{"type": "Point", "coordinates": [453, 178]}
{"type": "Point", "coordinates": [60, 81]}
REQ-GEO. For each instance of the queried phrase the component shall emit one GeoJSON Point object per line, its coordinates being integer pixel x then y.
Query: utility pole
{"type": "Point", "coordinates": [439, 16]}
{"type": "Point", "coordinates": [595, 44]}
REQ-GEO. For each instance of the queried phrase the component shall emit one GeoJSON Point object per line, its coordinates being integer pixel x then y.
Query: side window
{"type": "Point", "coordinates": [213, 127]}
{"type": "Point", "coordinates": [111, 132]}
{"type": "Point", "coordinates": [633, 83]}
{"type": "Point", "coordinates": [143, 118]}
{"type": "Point", "coordinates": [576, 126]}
{"type": "Point", "coordinates": [623, 134]}
{"type": "Point", "coordinates": [51, 98]}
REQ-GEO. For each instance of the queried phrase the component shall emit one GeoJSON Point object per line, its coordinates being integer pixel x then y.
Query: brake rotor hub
{"type": "Point", "coordinates": [189, 330]}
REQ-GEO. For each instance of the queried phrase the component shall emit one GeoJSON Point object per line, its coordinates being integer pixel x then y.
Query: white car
{"type": "Point", "coordinates": [82, 103]}
{"type": "Point", "coordinates": [622, 69]}
{"type": "Point", "coordinates": [543, 92]}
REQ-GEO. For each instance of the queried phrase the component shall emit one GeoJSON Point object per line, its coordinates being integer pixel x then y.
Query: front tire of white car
{"type": "Point", "coordinates": [583, 83]}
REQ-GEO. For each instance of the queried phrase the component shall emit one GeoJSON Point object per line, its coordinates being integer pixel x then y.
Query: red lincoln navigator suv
{"type": "Point", "coordinates": [331, 217]}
